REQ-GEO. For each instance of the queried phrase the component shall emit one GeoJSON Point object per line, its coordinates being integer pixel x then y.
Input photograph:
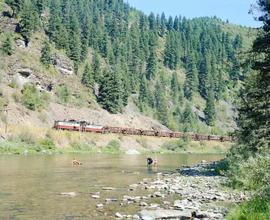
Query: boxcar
{"type": "Point", "coordinates": [93, 128]}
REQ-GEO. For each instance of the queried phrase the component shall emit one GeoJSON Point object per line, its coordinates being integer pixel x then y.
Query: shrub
{"type": "Point", "coordinates": [27, 137]}
{"type": "Point", "coordinates": [180, 144]}
{"type": "Point", "coordinates": [16, 96]}
{"type": "Point", "coordinates": [252, 173]}
{"type": "Point", "coordinates": [63, 93]}
{"type": "Point", "coordinates": [33, 99]}
{"type": "Point", "coordinates": [47, 144]}
{"type": "Point", "coordinates": [256, 209]}
{"type": "Point", "coordinates": [112, 147]}
{"type": "Point", "coordinates": [78, 146]}
{"type": "Point", "coordinates": [13, 84]}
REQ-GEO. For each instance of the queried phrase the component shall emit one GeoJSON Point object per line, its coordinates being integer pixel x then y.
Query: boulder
{"type": "Point", "coordinates": [63, 64]}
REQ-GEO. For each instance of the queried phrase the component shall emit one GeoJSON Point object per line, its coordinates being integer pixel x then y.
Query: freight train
{"type": "Point", "coordinates": [83, 126]}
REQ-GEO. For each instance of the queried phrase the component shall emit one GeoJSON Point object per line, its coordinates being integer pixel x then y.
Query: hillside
{"type": "Point", "coordinates": [109, 64]}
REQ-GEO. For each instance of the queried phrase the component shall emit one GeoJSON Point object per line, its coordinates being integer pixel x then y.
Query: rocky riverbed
{"type": "Point", "coordinates": [189, 193]}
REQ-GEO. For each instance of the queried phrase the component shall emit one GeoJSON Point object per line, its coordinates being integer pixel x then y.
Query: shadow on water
{"type": "Point", "coordinates": [201, 169]}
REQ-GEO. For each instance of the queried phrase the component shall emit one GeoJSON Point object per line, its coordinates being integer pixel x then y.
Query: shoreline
{"type": "Point", "coordinates": [197, 192]}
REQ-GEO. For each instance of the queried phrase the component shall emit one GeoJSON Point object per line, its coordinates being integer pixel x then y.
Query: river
{"type": "Point", "coordinates": [31, 187]}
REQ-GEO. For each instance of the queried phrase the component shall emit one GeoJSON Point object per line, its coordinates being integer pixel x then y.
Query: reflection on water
{"type": "Point", "coordinates": [31, 187]}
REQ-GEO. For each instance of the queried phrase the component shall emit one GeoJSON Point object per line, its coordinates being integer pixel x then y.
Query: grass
{"type": "Point", "coordinates": [255, 209]}
{"type": "Point", "coordinates": [40, 140]}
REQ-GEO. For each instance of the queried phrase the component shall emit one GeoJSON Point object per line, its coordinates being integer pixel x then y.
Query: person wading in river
{"type": "Point", "coordinates": [151, 162]}
{"type": "Point", "coordinates": [76, 162]}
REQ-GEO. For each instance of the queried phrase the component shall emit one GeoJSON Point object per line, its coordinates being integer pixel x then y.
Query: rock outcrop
{"type": "Point", "coordinates": [63, 64]}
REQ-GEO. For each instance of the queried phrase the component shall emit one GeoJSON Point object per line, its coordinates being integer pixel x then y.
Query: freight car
{"type": "Point", "coordinates": [83, 126]}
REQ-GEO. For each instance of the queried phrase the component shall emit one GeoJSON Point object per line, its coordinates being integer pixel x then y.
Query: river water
{"type": "Point", "coordinates": [31, 186]}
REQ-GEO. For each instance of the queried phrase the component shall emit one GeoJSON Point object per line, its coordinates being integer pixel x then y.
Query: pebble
{"type": "Point", "coordinates": [108, 188]}
{"type": "Point", "coordinates": [99, 206]}
{"type": "Point", "coordinates": [118, 215]}
{"type": "Point", "coordinates": [72, 194]}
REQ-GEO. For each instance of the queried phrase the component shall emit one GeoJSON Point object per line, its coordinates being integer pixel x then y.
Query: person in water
{"type": "Point", "coordinates": [151, 162]}
{"type": "Point", "coordinates": [76, 162]}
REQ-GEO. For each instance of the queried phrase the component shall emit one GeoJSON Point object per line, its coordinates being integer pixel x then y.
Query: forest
{"type": "Point", "coordinates": [172, 65]}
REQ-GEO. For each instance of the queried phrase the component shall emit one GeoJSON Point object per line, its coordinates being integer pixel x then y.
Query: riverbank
{"type": "Point", "coordinates": [191, 193]}
{"type": "Point", "coordinates": [36, 140]}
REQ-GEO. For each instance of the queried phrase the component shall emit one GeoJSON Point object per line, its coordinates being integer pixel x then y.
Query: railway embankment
{"type": "Point", "coordinates": [38, 140]}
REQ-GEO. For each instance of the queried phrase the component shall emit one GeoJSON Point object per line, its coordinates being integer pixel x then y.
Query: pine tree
{"type": "Point", "coordinates": [191, 83]}
{"type": "Point", "coordinates": [87, 77]}
{"type": "Point", "coordinates": [29, 20]}
{"type": "Point", "coordinates": [7, 46]}
{"type": "Point", "coordinates": [151, 66]}
{"type": "Point", "coordinates": [74, 41]}
{"type": "Point", "coordinates": [16, 6]}
{"type": "Point", "coordinates": [210, 111]}
{"type": "Point", "coordinates": [46, 57]}
{"type": "Point", "coordinates": [187, 118]}
{"type": "Point", "coordinates": [160, 104]}
{"type": "Point", "coordinates": [96, 67]}
{"type": "Point", "coordinates": [175, 88]}
{"type": "Point", "coordinates": [254, 111]}
{"type": "Point", "coordinates": [110, 92]}
{"type": "Point", "coordinates": [143, 93]}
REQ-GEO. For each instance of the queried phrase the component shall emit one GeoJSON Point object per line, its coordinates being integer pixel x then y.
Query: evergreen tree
{"type": "Point", "coordinates": [161, 105]}
{"type": "Point", "coordinates": [16, 6]}
{"type": "Point", "coordinates": [254, 111]}
{"type": "Point", "coordinates": [191, 83]}
{"type": "Point", "coordinates": [96, 67]}
{"type": "Point", "coordinates": [46, 57]}
{"type": "Point", "coordinates": [29, 20]}
{"type": "Point", "coordinates": [175, 88]}
{"type": "Point", "coordinates": [204, 75]}
{"type": "Point", "coordinates": [210, 111]}
{"type": "Point", "coordinates": [143, 93]}
{"type": "Point", "coordinates": [151, 66]}
{"type": "Point", "coordinates": [87, 77]}
{"type": "Point", "coordinates": [187, 118]}
{"type": "Point", "coordinates": [74, 41]}
{"type": "Point", "coordinates": [7, 46]}
{"type": "Point", "coordinates": [110, 92]}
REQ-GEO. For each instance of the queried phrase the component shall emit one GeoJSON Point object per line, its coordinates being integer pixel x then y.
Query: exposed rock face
{"type": "Point", "coordinates": [20, 43]}
{"type": "Point", "coordinates": [199, 113]}
{"type": "Point", "coordinates": [63, 64]}
{"type": "Point", "coordinates": [25, 75]}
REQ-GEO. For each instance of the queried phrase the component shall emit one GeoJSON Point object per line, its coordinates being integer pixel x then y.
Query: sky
{"type": "Point", "coordinates": [235, 11]}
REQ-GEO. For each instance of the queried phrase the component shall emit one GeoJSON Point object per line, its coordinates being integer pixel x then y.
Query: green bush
{"type": "Point", "coordinates": [13, 84]}
{"type": "Point", "coordinates": [47, 144]}
{"type": "Point", "coordinates": [256, 209]}
{"type": "Point", "coordinates": [112, 147]}
{"type": "Point", "coordinates": [252, 174]}
{"type": "Point", "coordinates": [78, 146]}
{"type": "Point", "coordinates": [27, 137]}
{"type": "Point", "coordinates": [178, 145]}
{"type": "Point", "coordinates": [63, 93]}
{"type": "Point", "coordinates": [33, 99]}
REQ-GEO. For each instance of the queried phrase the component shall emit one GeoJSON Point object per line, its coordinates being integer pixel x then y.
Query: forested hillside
{"type": "Point", "coordinates": [180, 71]}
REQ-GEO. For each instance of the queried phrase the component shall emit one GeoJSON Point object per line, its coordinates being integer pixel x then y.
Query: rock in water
{"type": "Point", "coordinates": [165, 214]}
{"type": "Point", "coordinates": [72, 194]}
